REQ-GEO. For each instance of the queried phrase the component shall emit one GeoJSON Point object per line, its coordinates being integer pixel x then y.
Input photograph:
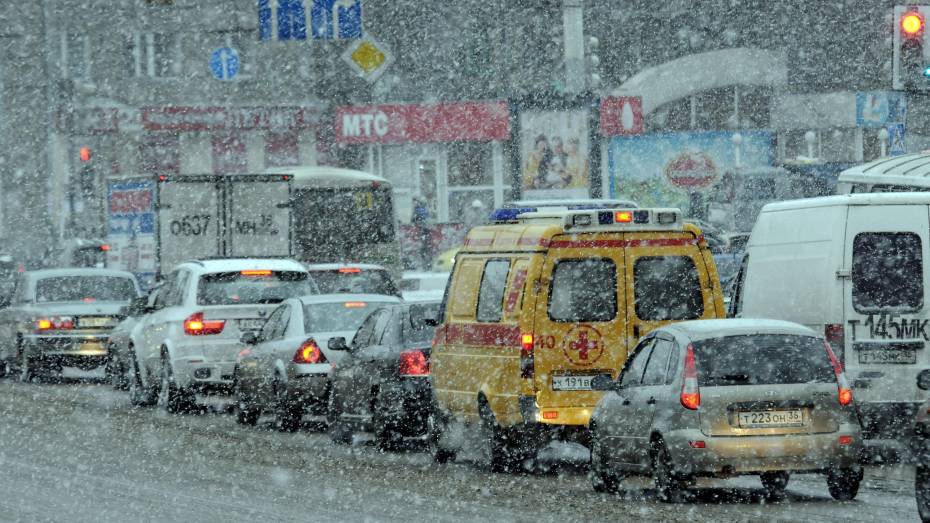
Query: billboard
{"type": "Point", "coordinates": [131, 228]}
{"type": "Point", "coordinates": [554, 148]}
{"type": "Point", "coordinates": [665, 170]}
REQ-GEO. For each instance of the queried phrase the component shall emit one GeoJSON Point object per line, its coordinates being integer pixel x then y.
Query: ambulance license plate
{"type": "Point", "coordinates": [771, 418]}
{"type": "Point", "coordinates": [571, 382]}
{"type": "Point", "coordinates": [887, 355]}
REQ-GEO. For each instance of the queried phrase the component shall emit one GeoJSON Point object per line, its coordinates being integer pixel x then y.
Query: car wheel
{"type": "Point", "coordinates": [386, 434]}
{"type": "Point", "coordinates": [286, 415]}
{"type": "Point", "coordinates": [922, 492]}
{"type": "Point", "coordinates": [603, 478]}
{"type": "Point", "coordinates": [844, 483]}
{"type": "Point", "coordinates": [339, 433]}
{"type": "Point", "coordinates": [775, 484]}
{"type": "Point", "coordinates": [247, 413]}
{"type": "Point", "coordinates": [494, 445]}
{"type": "Point", "coordinates": [115, 373]}
{"type": "Point", "coordinates": [26, 368]}
{"type": "Point", "coordinates": [170, 397]}
{"type": "Point", "coordinates": [139, 395]}
{"type": "Point", "coordinates": [669, 485]}
{"type": "Point", "coordinates": [436, 428]}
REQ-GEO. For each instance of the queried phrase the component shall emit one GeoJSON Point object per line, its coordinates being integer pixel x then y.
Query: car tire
{"type": "Point", "coordinates": [247, 413]}
{"type": "Point", "coordinates": [172, 398]}
{"type": "Point", "coordinates": [115, 373]}
{"type": "Point", "coordinates": [27, 369]}
{"type": "Point", "coordinates": [670, 487]}
{"type": "Point", "coordinates": [922, 492]}
{"type": "Point", "coordinates": [603, 478]}
{"type": "Point", "coordinates": [775, 484]}
{"type": "Point", "coordinates": [387, 437]}
{"type": "Point", "coordinates": [339, 433]}
{"type": "Point", "coordinates": [844, 483]}
{"type": "Point", "coordinates": [139, 395]}
{"type": "Point", "coordinates": [4, 368]}
{"type": "Point", "coordinates": [495, 447]}
{"type": "Point", "coordinates": [436, 428]}
{"type": "Point", "coordinates": [286, 416]}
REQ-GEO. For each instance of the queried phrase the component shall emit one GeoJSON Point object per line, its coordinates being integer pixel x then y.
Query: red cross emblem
{"type": "Point", "coordinates": [583, 345]}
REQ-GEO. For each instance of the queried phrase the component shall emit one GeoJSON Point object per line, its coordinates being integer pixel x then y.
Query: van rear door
{"type": "Point", "coordinates": [669, 279]}
{"type": "Point", "coordinates": [885, 301]}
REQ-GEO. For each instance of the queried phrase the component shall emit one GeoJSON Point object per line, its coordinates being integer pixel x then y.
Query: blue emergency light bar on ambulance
{"type": "Point", "coordinates": [513, 209]}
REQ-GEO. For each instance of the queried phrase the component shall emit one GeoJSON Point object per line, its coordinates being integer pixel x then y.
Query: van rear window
{"type": "Point", "coordinates": [762, 359]}
{"type": "Point", "coordinates": [667, 288]}
{"type": "Point", "coordinates": [584, 290]}
{"type": "Point", "coordinates": [887, 272]}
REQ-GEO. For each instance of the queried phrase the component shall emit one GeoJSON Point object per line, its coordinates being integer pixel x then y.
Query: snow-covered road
{"type": "Point", "coordinates": [78, 452]}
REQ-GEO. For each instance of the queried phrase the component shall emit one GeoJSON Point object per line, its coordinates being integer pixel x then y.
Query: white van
{"type": "Point", "coordinates": [854, 267]}
{"type": "Point", "coordinates": [904, 173]}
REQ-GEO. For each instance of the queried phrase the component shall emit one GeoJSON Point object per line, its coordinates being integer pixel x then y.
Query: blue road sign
{"type": "Point", "coordinates": [896, 139]}
{"type": "Point", "coordinates": [224, 62]}
{"type": "Point", "coordinates": [340, 19]}
{"type": "Point", "coordinates": [880, 108]}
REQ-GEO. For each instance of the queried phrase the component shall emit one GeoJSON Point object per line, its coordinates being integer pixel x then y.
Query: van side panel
{"type": "Point", "coordinates": [792, 267]}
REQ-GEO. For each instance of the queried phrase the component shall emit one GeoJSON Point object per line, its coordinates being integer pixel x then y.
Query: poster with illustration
{"type": "Point", "coordinates": [554, 154]}
{"type": "Point", "coordinates": [665, 170]}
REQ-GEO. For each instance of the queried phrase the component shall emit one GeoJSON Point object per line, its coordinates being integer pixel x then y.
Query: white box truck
{"type": "Point", "coordinates": [856, 268]}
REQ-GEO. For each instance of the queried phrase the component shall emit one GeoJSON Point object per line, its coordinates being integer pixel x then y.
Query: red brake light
{"type": "Point", "coordinates": [527, 363]}
{"type": "Point", "coordinates": [845, 392]}
{"type": "Point", "coordinates": [104, 247]}
{"type": "Point", "coordinates": [350, 270]}
{"type": "Point", "coordinates": [354, 304]}
{"type": "Point", "coordinates": [309, 352]}
{"type": "Point", "coordinates": [845, 440]}
{"type": "Point", "coordinates": [55, 323]}
{"type": "Point", "coordinates": [195, 325]}
{"type": "Point", "coordinates": [255, 272]}
{"type": "Point", "coordinates": [690, 392]}
{"type": "Point", "coordinates": [413, 363]}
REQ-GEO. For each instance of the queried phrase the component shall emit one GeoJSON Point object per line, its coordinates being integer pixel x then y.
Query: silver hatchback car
{"type": "Point", "coordinates": [721, 398]}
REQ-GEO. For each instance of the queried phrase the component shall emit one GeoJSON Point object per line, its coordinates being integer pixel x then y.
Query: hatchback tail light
{"type": "Point", "coordinates": [54, 323]}
{"type": "Point", "coordinates": [309, 352]}
{"type": "Point", "coordinates": [527, 361]}
{"type": "Point", "coordinates": [690, 392]}
{"type": "Point", "coordinates": [844, 391]}
{"type": "Point", "coordinates": [414, 363]}
{"type": "Point", "coordinates": [834, 334]}
{"type": "Point", "coordinates": [195, 325]}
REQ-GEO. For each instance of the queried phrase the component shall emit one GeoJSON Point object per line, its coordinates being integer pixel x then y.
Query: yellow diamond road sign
{"type": "Point", "coordinates": [368, 57]}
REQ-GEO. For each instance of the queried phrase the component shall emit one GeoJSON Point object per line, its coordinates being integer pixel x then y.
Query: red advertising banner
{"type": "Point", "coordinates": [621, 115]}
{"type": "Point", "coordinates": [414, 123]}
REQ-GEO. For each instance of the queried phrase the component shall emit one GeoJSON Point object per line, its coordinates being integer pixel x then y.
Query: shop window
{"type": "Point", "coordinates": [75, 53]}
{"type": "Point", "coordinates": [160, 154]}
{"type": "Point", "coordinates": [156, 55]}
{"type": "Point", "coordinates": [281, 150]}
{"type": "Point", "coordinates": [470, 163]}
{"type": "Point", "coordinates": [229, 155]}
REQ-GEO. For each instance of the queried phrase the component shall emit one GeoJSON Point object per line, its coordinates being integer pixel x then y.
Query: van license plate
{"type": "Point", "coordinates": [771, 418]}
{"type": "Point", "coordinates": [887, 355]}
{"type": "Point", "coordinates": [571, 382]}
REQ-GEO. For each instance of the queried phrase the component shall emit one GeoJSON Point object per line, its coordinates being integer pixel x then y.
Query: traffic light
{"type": "Point", "coordinates": [86, 174]}
{"type": "Point", "coordinates": [911, 66]}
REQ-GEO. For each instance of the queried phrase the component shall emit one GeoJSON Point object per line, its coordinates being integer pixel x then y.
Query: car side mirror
{"type": "Point", "coordinates": [923, 380]}
{"type": "Point", "coordinates": [604, 382]}
{"type": "Point", "coordinates": [337, 343]}
{"type": "Point", "coordinates": [248, 338]}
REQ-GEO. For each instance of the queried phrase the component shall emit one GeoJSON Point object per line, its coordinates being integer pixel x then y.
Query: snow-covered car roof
{"type": "Point", "coordinates": [889, 198]}
{"type": "Point", "coordinates": [702, 329]}
{"type": "Point", "coordinates": [78, 271]}
{"type": "Point", "coordinates": [339, 298]}
{"type": "Point", "coordinates": [311, 175]}
{"type": "Point", "coordinates": [245, 264]}
{"type": "Point", "coordinates": [428, 296]}
{"type": "Point", "coordinates": [906, 169]}
{"type": "Point", "coordinates": [336, 266]}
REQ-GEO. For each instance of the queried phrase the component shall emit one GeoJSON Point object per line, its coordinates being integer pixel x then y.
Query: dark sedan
{"type": "Point", "coordinates": [382, 383]}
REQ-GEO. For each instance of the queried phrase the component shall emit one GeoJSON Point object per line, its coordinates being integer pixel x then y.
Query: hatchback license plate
{"type": "Point", "coordinates": [887, 355]}
{"type": "Point", "coordinates": [571, 382]}
{"type": "Point", "coordinates": [94, 321]}
{"type": "Point", "coordinates": [771, 418]}
{"type": "Point", "coordinates": [251, 324]}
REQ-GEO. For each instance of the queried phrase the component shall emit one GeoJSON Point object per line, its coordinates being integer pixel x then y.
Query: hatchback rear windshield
{"type": "Point", "coordinates": [84, 288]}
{"type": "Point", "coordinates": [237, 288]}
{"type": "Point", "coordinates": [762, 359]}
{"type": "Point", "coordinates": [887, 272]}
{"type": "Point", "coordinates": [360, 282]}
{"type": "Point", "coordinates": [339, 316]}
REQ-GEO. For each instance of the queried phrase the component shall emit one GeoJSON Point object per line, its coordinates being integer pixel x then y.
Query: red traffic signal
{"type": "Point", "coordinates": [912, 25]}
{"type": "Point", "coordinates": [85, 154]}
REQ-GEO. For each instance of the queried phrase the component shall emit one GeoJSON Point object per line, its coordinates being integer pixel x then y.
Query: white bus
{"type": "Point", "coordinates": [343, 216]}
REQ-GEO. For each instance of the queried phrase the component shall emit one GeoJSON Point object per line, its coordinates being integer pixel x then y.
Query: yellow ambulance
{"type": "Point", "coordinates": [535, 309]}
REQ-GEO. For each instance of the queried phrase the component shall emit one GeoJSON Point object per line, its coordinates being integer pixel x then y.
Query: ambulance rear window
{"type": "Point", "coordinates": [584, 290]}
{"type": "Point", "coordinates": [667, 288]}
{"type": "Point", "coordinates": [887, 272]}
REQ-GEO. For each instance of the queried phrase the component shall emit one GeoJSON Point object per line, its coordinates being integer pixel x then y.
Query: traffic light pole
{"type": "Point", "coordinates": [573, 44]}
